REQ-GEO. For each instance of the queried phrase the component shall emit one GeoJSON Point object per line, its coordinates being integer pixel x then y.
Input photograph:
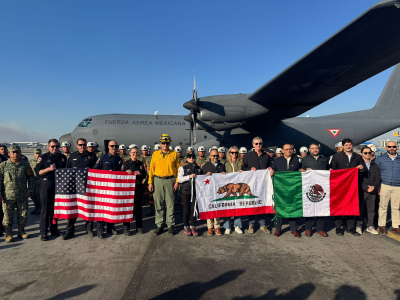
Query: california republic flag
{"type": "Point", "coordinates": [234, 194]}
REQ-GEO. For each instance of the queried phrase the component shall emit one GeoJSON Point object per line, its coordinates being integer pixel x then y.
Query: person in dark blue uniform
{"type": "Point", "coordinates": [110, 161]}
{"type": "Point", "coordinates": [135, 166]}
{"type": "Point", "coordinates": [46, 167]}
{"type": "Point", "coordinates": [84, 160]}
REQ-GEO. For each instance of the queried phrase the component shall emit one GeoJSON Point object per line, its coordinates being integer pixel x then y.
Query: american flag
{"type": "Point", "coordinates": [94, 195]}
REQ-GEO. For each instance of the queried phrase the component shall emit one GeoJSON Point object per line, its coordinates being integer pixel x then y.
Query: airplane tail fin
{"type": "Point", "coordinates": [390, 97]}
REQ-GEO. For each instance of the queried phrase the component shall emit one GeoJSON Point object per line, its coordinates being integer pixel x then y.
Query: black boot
{"type": "Point", "coordinates": [68, 235]}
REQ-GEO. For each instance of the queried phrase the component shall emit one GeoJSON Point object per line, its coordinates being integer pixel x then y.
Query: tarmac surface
{"type": "Point", "coordinates": [258, 266]}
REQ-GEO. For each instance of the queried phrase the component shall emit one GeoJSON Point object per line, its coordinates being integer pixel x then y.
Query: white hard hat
{"type": "Point", "coordinates": [190, 149]}
{"type": "Point", "coordinates": [221, 150]}
{"type": "Point", "coordinates": [144, 148]}
{"type": "Point", "coordinates": [157, 147]}
{"type": "Point", "coordinates": [214, 147]}
{"type": "Point", "coordinates": [294, 150]}
{"type": "Point", "coordinates": [243, 150]}
{"type": "Point", "coordinates": [303, 149]}
{"type": "Point", "coordinates": [278, 150]}
{"type": "Point", "coordinates": [252, 149]}
{"type": "Point", "coordinates": [201, 149]}
{"type": "Point", "coordinates": [131, 146]}
{"type": "Point", "coordinates": [338, 145]}
{"type": "Point", "coordinates": [122, 147]}
{"type": "Point", "coordinates": [178, 149]}
{"type": "Point", "coordinates": [373, 149]}
{"type": "Point", "coordinates": [91, 144]}
{"type": "Point", "coordinates": [65, 144]}
{"type": "Point", "coordinates": [171, 148]}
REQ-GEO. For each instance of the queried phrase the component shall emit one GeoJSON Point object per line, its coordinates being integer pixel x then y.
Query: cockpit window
{"type": "Point", "coordinates": [85, 123]}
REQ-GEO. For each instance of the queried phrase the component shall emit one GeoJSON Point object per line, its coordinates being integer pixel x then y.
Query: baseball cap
{"type": "Point", "coordinates": [201, 149]}
{"type": "Point", "coordinates": [270, 150]}
{"type": "Point", "coordinates": [37, 151]}
{"type": "Point", "coordinates": [14, 148]}
{"type": "Point", "coordinates": [122, 147]}
{"type": "Point", "coordinates": [243, 150]}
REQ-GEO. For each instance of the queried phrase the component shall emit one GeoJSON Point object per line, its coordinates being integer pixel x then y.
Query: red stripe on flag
{"type": "Point", "coordinates": [112, 180]}
{"type": "Point", "coordinates": [108, 172]}
{"type": "Point", "coordinates": [344, 192]}
{"type": "Point", "coordinates": [96, 202]}
{"type": "Point", "coordinates": [111, 188]}
{"type": "Point", "coordinates": [97, 219]}
{"type": "Point", "coordinates": [236, 212]}
{"type": "Point", "coordinates": [110, 196]}
{"type": "Point", "coordinates": [98, 211]}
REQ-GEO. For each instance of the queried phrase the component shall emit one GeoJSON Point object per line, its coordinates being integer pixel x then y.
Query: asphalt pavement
{"type": "Point", "coordinates": [258, 266]}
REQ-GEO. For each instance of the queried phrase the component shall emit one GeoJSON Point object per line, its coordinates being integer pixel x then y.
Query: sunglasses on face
{"type": "Point", "coordinates": [257, 143]}
{"type": "Point", "coordinates": [391, 147]}
{"type": "Point", "coordinates": [164, 143]}
{"type": "Point", "coordinates": [214, 155]}
{"type": "Point", "coordinates": [236, 153]}
{"type": "Point", "coordinates": [81, 145]}
{"type": "Point", "coordinates": [58, 146]}
{"type": "Point", "coordinates": [15, 152]}
{"type": "Point", "coordinates": [113, 146]}
{"type": "Point", "coordinates": [367, 153]}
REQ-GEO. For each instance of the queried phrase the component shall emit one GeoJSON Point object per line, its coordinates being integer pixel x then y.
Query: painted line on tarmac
{"type": "Point", "coordinates": [393, 236]}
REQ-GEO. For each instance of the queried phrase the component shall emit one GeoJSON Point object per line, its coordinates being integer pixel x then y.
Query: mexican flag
{"type": "Point", "coordinates": [234, 194]}
{"type": "Point", "coordinates": [316, 193]}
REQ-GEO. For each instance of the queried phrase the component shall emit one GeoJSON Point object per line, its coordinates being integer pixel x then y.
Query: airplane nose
{"type": "Point", "coordinates": [66, 138]}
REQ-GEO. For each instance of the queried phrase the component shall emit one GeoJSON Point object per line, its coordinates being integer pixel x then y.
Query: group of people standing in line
{"type": "Point", "coordinates": [161, 175]}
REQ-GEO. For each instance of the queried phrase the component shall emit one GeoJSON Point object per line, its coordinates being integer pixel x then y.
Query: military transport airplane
{"type": "Point", "coordinates": [365, 47]}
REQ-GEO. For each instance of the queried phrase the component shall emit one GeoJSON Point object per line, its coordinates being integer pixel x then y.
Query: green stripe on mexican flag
{"type": "Point", "coordinates": [316, 193]}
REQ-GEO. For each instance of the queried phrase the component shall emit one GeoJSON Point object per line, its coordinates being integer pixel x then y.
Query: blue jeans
{"type": "Point", "coordinates": [237, 222]}
{"type": "Point", "coordinates": [261, 220]}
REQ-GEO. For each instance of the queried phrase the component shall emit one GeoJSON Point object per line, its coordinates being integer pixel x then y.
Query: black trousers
{"type": "Point", "coordinates": [320, 223]}
{"type": "Point", "coordinates": [292, 223]}
{"type": "Point", "coordinates": [137, 209]}
{"type": "Point", "coordinates": [47, 194]}
{"type": "Point", "coordinates": [350, 221]}
{"type": "Point", "coordinates": [188, 210]}
{"type": "Point", "coordinates": [71, 225]}
{"type": "Point", "coordinates": [367, 207]}
{"type": "Point", "coordinates": [89, 226]}
{"type": "Point", "coordinates": [101, 225]}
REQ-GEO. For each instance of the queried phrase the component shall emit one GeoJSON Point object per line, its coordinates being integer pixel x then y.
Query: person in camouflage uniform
{"type": "Point", "coordinates": [122, 153]}
{"type": "Point", "coordinates": [98, 152]}
{"type": "Point", "coordinates": [14, 175]}
{"type": "Point", "coordinates": [202, 159]}
{"type": "Point", "coordinates": [221, 154]}
{"type": "Point", "coordinates": [147, 196]}
{"type": "Point", "coordinates": [66, 149]}
{"type": "Point", "coordinates": [35, 181]}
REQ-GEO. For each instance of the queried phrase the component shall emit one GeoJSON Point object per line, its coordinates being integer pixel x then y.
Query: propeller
{"type": "Point", "coordinates": [194, 109]}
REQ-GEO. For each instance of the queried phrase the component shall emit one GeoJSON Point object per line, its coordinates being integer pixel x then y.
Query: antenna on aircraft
{"type": "Point", "coordinates": [193, 113]}
{"type": "Point", "coordinates": [156, 112]}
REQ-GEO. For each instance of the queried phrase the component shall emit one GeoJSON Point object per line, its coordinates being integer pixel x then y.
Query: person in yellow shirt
{"type": "Point", "coordinates": [163, 182]}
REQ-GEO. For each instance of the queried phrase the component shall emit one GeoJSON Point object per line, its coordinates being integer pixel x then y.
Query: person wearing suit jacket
{"type": "Point", "coordinates": [346, 159]}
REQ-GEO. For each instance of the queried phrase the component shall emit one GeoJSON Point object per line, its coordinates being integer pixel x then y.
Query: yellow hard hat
{"type": "Point", "coordinates": [165, 138]}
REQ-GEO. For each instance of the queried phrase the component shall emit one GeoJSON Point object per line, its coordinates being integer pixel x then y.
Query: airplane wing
{"type": "Point", "coordinates": [367, 46]}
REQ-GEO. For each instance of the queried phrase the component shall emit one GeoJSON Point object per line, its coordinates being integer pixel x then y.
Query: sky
{"type": "Point", "coordinates": [61, 61]}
